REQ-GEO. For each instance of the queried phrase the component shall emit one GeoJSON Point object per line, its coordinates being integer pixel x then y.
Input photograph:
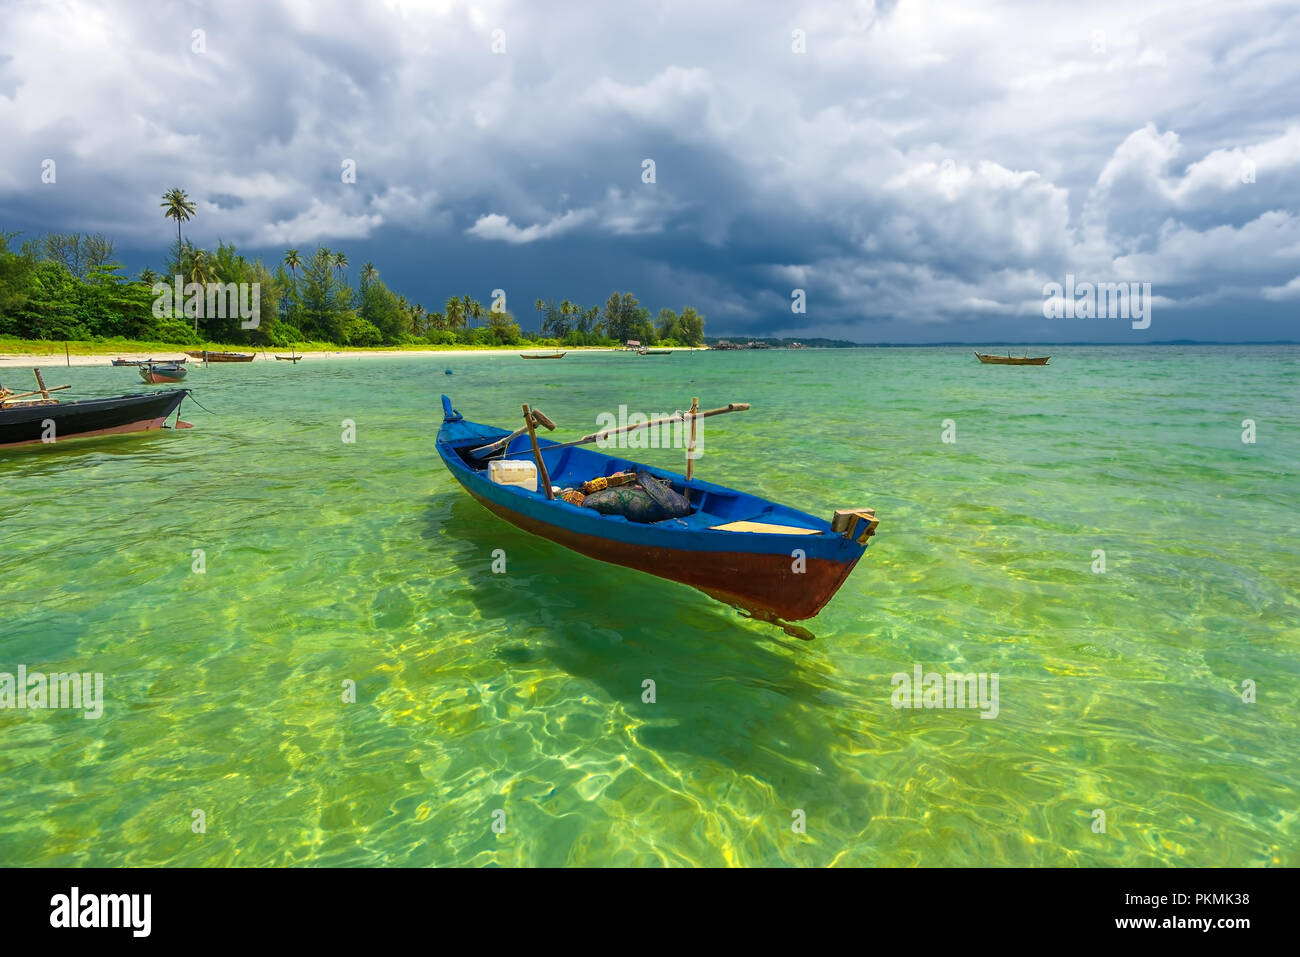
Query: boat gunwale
{"type": "Point", "coordinates": [820, 531]}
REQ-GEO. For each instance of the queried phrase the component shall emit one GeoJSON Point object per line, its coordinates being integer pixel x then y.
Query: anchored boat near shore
{"type": "Point", "coordinates": [1010, 360]}
{"type": "Point", "coordinates": [733, 546]}
{"type": "Point", "coordinates": [47, 420]}
{"type": "Point", "coordinates": [221, 356]}
{"type": "Point", "coordinates": [155, 372]}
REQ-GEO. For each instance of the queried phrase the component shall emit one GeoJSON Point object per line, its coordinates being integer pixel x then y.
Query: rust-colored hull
{"type": "Point", "coordinates": [1012, 360]}
{"type": "Point", "coordinates": [221, 356]}
{"type": "Point", "coordinates": [144, 425]}
{"type": "Point", "coordinates": [757, 583]}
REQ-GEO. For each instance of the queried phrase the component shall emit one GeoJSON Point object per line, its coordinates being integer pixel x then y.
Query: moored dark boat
{"type": "Point", "coordinates": [49, 420]}
{"type": "Point", "coordinates": [145, 362]}
{"type": "Point", "coordinates": [542, 355]}
{"type": "Point", "coordinates": [155, 372]}
{"type": "Point", "coordinates": [735, 547]}
{"type": "Point", "coordinates": [1009, 360]}
{"type": "Point", "coordinates": [221, 356]}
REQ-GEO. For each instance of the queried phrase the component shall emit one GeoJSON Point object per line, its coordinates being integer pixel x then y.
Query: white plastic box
{"type": "Point", "coordinates": [514, 472]}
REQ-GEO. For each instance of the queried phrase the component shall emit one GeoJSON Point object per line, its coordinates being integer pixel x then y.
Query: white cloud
{"type": "Point", "coordinates": [318, 222]}
{"type": "Point", "coordinates": [496, 226]}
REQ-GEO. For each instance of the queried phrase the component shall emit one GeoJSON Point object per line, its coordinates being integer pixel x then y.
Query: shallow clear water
{"type": "Point", "coordinates": [328, 562]}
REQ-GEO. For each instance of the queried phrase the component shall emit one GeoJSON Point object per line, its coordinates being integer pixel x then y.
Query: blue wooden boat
{"type": "Point", "coordinates": [735, 547]}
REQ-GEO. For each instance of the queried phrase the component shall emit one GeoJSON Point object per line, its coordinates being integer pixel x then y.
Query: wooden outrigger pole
{"type": "Point", "coordinates": [677, 417]}
{"type": "Point", "coordinates": [537, 453]}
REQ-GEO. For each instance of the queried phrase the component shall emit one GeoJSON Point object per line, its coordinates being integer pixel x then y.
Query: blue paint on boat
{"type": "Point", "coordinates": [693, 538]}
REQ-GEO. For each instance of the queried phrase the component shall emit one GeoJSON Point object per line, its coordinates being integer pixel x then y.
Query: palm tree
{"type": "Point", "coordinates": [148, 277]}
{"type": "Point", "coordinates": [473, 308]}
{"type": "Point", "coordinates": [176, 205]}
{"type": "Point", "coordinates": [201, 273]}
{"type": "Point", "coordinates": [340, 261]}
{"type": "Point", "coordinates": [455, 312]}
{"type": "Point", "coordinates": [368, 272]}
{"type": "Point", "coordinates": [293, 261]}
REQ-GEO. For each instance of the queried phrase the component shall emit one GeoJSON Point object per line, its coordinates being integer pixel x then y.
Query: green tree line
{"type": "Point", "coordinates": [68, 287]}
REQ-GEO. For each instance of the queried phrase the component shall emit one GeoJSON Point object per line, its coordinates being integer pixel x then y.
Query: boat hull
{"type": "Point", "coordinates": [1012, 360]}
{"type": "Point", "coordinates": [754, 582]}
{"type": "Point", "coordinates": [155, 375]}
{"type": "Point", "coordinates": [221, 356]}
{"type": "Point", "coordinates": [786, 576]}
{"type": "Point", "coordinates": [25, 425]}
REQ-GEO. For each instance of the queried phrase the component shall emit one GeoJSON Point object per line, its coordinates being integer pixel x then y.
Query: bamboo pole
{"type": "Point", "coordinates": [538, 417]}
{"type": "Point", "coordinates": [45, 393]}
{"type": "Point", "coordinates": [537, 453]}
{"type": "Point", "coordinates": [683, 417]}
{"type": "Point", "coordinates": [11, 396]}
{"type": "Point", "coordinates": [690, 447]}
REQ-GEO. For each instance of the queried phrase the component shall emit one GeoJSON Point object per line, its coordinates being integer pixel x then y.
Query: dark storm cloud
{"type": "Point", "coordinates": [921, 171]}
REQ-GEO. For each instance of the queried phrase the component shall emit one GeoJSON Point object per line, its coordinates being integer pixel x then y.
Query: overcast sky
{"type": "Point", "coordinates": [921, 170]}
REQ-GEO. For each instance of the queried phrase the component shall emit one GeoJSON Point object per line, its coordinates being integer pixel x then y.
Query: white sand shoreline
{"type": "Point", "coordinates": [52, 359]}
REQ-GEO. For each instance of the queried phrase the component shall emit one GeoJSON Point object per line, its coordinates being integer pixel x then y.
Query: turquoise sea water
{"type": "Point", "coordinates": [521, 692]}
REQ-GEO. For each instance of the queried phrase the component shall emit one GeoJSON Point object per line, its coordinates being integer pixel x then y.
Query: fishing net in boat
{"type": "Point", "coordinates": [671, 503]}
{"type": "Point", "coordinates": [649, 500]}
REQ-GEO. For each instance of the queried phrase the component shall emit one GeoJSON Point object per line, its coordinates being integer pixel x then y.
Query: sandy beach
{"type": "Point", "coordinates": [57, 358]}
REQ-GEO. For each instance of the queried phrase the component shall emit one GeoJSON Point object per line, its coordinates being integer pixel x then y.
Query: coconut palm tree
{"type": "Point", "coordinates": [293, 261]}
{"type": "Point", "coordinates": [176, 205]}
{"type": "Point", "coordinates": [201, 273]}
{"type": "Point", "coordinates": [473, 308]}
{"type": "Point", "coordinates": [340, 262]}
{"type": "Point", "coordinates": [369, 272]}
{"type": "Point", "coordinates": [455, 313]}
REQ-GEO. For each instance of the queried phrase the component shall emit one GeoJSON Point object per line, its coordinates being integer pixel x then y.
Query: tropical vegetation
{"type": "Point", "coordinates": [70, 288]}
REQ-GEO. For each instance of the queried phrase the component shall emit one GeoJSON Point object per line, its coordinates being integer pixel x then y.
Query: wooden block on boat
{"type": "Point", "coordinates": [763, 527]}
{"type": "Point", "coordinates": [845, 517]}
{"type": "Point", "coordinates": [845, 521]}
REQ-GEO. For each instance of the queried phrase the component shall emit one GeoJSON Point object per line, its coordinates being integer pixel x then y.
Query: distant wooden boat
{"type": "Point", "coordinates": [144, 362]}
{"type": "Point", "coordinates": [643, 351]}
{"type": "Point", "coordinates": [221, 356]}
{"type": "Point", "coordinates": [1010, 360]}
{"type": "Point", "coordinates": [163, 372]}
{"type": "Point", "coordinates": [542, 355]}
{"type": "Point", "coordinates": [732, 546]}
{"type": "Point", "coordinates": [46, 420]}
